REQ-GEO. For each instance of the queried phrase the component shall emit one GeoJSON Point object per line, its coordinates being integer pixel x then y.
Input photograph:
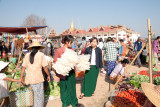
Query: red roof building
{"type": "Point", "coordinates": [117, 31]}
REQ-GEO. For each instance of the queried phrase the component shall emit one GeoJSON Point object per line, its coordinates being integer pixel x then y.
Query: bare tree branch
{"type": "Point", "coordinates": [33, 20]}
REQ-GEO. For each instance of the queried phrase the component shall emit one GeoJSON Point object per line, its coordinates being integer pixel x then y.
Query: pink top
{"type": "Point", "coordinates": [58, 53]}
{"type": "Point", "coordinates": [155, 46]}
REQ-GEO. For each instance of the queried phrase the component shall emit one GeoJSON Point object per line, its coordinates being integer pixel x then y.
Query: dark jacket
{"type": "Point", "coordinates": [98, 52]}
{"type": "Point", "coordinates": [137, 46]}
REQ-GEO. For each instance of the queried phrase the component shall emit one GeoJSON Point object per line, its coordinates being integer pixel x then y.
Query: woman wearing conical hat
{"type": "Point", "coordinates": [34, 61]}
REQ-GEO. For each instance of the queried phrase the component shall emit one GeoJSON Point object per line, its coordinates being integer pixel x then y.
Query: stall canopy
{"type": "Point", "coordinates": [20, 30]}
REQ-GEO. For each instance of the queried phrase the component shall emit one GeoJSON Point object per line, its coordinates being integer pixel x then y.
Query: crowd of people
{"type": "Point", "coordinates": [109, 57]}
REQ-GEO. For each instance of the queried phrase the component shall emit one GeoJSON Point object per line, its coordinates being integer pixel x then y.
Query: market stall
{"type": "Point", "coordinates": [128, 92]}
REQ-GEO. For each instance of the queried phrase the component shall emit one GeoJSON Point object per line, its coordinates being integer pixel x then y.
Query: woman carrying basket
{"type": "Point", "coordinates": [67, 83]}
{"type": "Point", "coordinates": [34, 61]}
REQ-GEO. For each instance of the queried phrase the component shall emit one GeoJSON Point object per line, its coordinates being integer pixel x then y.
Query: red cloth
{"type": "Point", "coordinates": [58, 53]}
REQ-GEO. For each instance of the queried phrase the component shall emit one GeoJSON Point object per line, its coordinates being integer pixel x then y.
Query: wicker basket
{"type": "Point", "coordinates": [21, 98]}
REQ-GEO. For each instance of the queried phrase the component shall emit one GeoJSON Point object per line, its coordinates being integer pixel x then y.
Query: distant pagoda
{"type": "Point", "coordinates": [52, 34]}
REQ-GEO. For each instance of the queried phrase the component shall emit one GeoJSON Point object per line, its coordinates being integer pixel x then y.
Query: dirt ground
{"type": "Point", "coordinates": [101, 93]}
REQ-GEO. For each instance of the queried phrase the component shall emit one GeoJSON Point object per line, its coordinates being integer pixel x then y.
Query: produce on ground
{"type": "Point", "coordinates": [136, 80]}
{"type": "Point", "coordinates": [128, 98]}
{"type": "Point", "coordinates": [147, 74]}
{"type": "Point", "coordinates": [53, 89]}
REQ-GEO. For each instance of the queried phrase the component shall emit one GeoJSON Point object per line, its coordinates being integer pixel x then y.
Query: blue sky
{"type": "Point", "coordinates": [85, 13]}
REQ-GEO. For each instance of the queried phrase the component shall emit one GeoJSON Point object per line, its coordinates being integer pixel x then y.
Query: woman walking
{"type": "Point", "coordinates": [67, 83]}
{"type": "Point", "coordinates": [34, 61]}
{"type": "Point", "coordinates": [90, 79]}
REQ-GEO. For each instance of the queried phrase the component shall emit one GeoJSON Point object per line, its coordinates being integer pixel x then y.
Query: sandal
{"type": "Point", "coordinates": [81, 96]}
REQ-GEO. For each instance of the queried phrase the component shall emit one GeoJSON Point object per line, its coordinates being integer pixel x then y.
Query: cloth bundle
{"type": "Point", "coordinates": [66, 63]}
{"type": "Point", "coordinates": [83, 63]}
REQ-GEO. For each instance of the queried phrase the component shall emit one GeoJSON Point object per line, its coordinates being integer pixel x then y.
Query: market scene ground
{"type": "Point", "coordinates": [105, 57]}
{"type": "Point", "coordinates": [101, 97]}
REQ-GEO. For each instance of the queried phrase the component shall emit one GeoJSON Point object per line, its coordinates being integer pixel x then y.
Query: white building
{"type": "Point", "coordinates": [118, 32]}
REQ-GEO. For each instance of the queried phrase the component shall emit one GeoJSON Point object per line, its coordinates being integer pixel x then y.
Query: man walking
{"type": "Point", "coordinates": [137, 48]}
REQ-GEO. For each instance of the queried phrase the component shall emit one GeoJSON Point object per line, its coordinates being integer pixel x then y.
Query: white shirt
{"type": "Point", "coordinates": [93, 57]}
{"type": "Point", "coordinates": [119, 69]}
{"type": "Point", "coordinates": [145, 52]}
{"type": "Point", "coordinates": [100, 45]}
{"type": "Point", "coordinates": [3, 86]}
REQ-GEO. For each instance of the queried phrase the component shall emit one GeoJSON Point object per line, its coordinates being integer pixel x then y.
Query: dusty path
{"type": "Point", "coordinates": [100, 96]}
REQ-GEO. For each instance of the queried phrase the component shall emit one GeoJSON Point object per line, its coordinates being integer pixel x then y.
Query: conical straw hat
{"type": "Point", "coordinates": [35, 44]}
{"type": "Point", "coordinates": [152, 92]}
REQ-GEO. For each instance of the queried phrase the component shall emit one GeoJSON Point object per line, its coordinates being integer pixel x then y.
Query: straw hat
{"type": "Point", "coordinates": [35, 44]}
{"type": "Point", "coordinates": [152, 92]}
{"type": "Point", "coordinates": [3, 65]}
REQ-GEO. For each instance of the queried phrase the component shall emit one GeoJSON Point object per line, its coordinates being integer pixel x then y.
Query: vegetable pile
{"type": "Point", "coordinates": [53, 89]}
{"type": "Point", "coordinates": [147, 74]}
{"type": "Point", "coordinates": [128, 98]}
{"type": "Point", "coordinates": [16, 89]}
{"type": "Point", "coordinates": [11, 67]}
{"type": "Point", "coordinates": [138, 79]}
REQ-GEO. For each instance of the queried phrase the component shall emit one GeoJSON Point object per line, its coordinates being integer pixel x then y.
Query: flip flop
{"type": "Point", "coordinates": [81, 96]}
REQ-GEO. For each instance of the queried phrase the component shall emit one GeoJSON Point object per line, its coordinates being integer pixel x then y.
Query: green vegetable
{"type": "Point", "coordinates": [156, 80]}
{"type": "Point", "coordinates": [11, 67]}
{"type": "Point", "coordinates": [53, 89]}
{"type": "Point", "coordinates": [138, 79]}
{"type": "Point", "coordinates": [3, 59]}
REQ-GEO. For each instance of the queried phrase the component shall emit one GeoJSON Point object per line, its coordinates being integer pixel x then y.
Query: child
{"type": "Point", "coordinates": [3, 83]}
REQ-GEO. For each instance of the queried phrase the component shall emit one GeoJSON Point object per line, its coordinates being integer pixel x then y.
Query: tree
{"type": "Point", "coordinates": [33, 20]}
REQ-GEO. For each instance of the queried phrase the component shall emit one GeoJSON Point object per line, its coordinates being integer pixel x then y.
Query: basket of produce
{"type": "Point", "coordinates": [21, 97]}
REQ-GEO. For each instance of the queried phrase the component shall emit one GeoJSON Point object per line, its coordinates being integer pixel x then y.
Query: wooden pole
{"type": "Point", "coordinates": [127, 68]}
{"type": "Point", "coordinates": [150, 52]}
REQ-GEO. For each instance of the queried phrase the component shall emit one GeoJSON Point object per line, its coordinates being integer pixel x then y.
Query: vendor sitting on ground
{"type": "Point", "coordinates": [118, 70]}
